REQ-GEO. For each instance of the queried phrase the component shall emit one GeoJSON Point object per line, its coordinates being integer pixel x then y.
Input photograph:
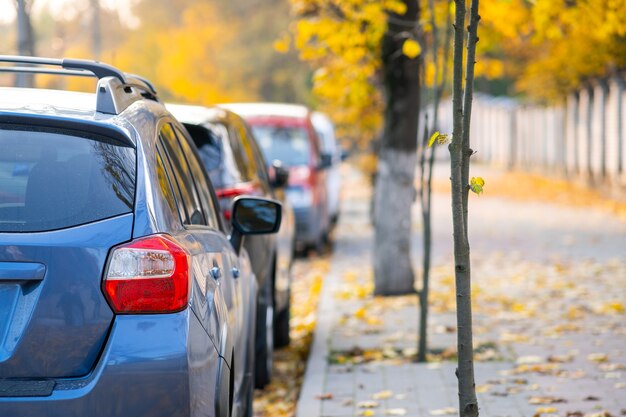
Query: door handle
{"type": "Point", "coordinates": [216, 273]}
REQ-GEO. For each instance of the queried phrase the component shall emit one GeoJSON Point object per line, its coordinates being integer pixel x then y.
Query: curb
{"type": "Point", "coordinates": [314, 379]}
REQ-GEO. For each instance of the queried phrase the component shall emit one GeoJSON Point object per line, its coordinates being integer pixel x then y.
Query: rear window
{"type": "Point", "coordinates": [288, 144]}
{"type": "Point", "coordinates": [52, 180]}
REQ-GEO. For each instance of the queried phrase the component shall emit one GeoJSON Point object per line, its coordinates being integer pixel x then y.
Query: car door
{"type": "Point", "coordinates": [236, 280]}
{"type": "Point", "coordinates": [214, 298]}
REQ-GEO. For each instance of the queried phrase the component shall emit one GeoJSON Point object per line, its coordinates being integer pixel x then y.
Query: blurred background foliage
{"type": "Point", "coordinates": [324, 53]}
{"type": "Point", "coordinates": [197, 51]}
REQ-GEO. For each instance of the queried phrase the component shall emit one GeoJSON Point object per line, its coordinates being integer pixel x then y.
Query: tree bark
{"type": "Point", "coordinates": [25, 40]}
{"type": "Point", "coordinates": [468, 95]}
{"type": "Point", "coordinates": [427, 161]}
{"type": "Point", "coordinates": [459, 165]}
{"type": "Point", "coordinates": [395, 190]}
{"type": "Point", "coordinates": [425, 195]}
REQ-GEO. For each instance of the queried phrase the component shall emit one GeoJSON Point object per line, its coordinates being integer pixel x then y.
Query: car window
{"type": "Point", "coordinates": [51, 179]}
{"type": "Point", "coordinates": [166, 185]}
{"type": "Point", "coordinates": [216, 154]}
{"type": "Point", "coordinates": [202, 185]}
{"type": "Point", "coordinates": [171, 176]}
{"type": "Point", "coordinates": [242, 158]}
{"type": "Point", "coordinates": [210, 150]}
{"type": "Point", "coordinates": [240, 134]}
{"type": "Point", "coordinates": [183, 177]}
{"type": "Point", "coordinates": [254, 154]}
{"type": "Point", "coordinates": [288, 144]}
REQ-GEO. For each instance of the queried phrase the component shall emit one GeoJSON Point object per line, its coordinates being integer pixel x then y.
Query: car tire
{"type": "Point", "coordinates": [264, 339]}
{"type": "Point", "coordinates": [281, 326]}
{"type": "Point", "coordinates": [223, 389]}
{"type": "Point", "coordinates": [249, 402]}
{"type": "Point", "coordinates": [320, 244]}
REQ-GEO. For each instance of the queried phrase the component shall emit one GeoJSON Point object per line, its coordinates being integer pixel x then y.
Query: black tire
{"type": "Point", "coordinates": [281, 327]}
{"type": "Point", "coordinates": [231, 385]}
{"type": "Point", "coordinates": [248, 396]}
{"type": "Point", "coordinates": [264, 338]}
{"type": "Point", "coordinates": [320, 243]}
{"type": "Point", "coordinates": [223, 390]}
{"type": "Point", "coordinates": [249, 402]}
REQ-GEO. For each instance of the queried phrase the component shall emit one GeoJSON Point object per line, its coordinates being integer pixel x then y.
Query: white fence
{"type": "Point", "coordinates": [584, 139]}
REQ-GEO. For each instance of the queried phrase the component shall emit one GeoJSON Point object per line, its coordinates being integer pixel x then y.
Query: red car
{"type": "Point", "coordinates": [285, 133]}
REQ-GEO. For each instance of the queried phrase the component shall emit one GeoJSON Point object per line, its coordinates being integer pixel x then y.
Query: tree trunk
{"type": "Point", "coordinates": [425, 200]}
{"type": "Point", "coordinates": [395, 190]}
{"type": "Point", "coordinates": [427, 161]}
{"type": "Point", "coordinates": [25, 40]}
{"type": "Point", "coordinates": [460, 153]}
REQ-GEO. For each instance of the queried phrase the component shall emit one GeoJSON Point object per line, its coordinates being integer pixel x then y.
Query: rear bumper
{"type": "Point", "coordinates": [152, 365]}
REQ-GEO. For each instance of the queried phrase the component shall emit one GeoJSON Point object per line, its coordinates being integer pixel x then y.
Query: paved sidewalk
{"type": "Point", "coordinates": [561, 353]}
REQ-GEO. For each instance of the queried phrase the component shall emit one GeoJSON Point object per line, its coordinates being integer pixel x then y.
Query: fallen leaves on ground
{"type": "Point", "coordinates": [367, 404]}
{"type": "Point", "coordinates": [546, 400]}
{"type": "Point", "coordinates": [395, 412]}
{"type": "Point", "coordinates": [448, 411]}
{"type": "Point", "coordinates": [279, 398]}
{"type": "Point", "coordinates": [550, 318]}
{"type": "Point", "coordinates": [598, 357]}
{"type": "Point", "coordinates": [545, 410]}
{"type": "Point", "coordinates": [382, 395]}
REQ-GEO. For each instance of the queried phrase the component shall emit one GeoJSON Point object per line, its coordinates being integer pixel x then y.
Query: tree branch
{"type": "Point", "coordinates": [472, 39]}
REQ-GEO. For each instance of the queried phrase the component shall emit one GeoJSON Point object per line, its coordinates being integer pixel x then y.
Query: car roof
{"type": "Point", "coordinates": [196, 115]}
{"type": "Point", "coordinates": [61, 108]}
{"type": "Point", "coordinates": [322, 121]}
{"type": "Point", "coordinates": [48, 102]}
{"type": "Point", "coordinates": [268, 109]}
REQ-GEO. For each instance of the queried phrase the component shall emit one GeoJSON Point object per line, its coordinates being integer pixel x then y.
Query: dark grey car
{"type": "Point", "coordinates": [236, 166]}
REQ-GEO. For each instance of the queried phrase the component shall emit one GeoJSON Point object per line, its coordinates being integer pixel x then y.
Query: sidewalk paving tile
{"type": "Point", "coordinates": [421, 389]}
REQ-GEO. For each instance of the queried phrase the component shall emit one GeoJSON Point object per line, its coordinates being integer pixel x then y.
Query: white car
{"type": "Point", "coordinates": [328, 145]}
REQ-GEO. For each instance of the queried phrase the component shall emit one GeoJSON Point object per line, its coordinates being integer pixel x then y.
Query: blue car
{"type": "Point", "coordinates": [120, 292]}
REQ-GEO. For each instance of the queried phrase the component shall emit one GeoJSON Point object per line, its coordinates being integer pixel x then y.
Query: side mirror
{"type": "Point", "coordinates": [280, 176]}
{"type": "Point", "coordinates": [326, 161]}
{"type": "Point", "coordinates": [253, 216]}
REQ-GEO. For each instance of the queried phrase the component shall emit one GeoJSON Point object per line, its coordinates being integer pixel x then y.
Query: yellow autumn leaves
{"type": "Point", "coordinates": [476, 183]}
{"type": "Point", "coordinates": [411, 48]}
{"type": "Point", "coordinates": [551, 47]}
{"type": "Point", "coordinates": [342, 41]}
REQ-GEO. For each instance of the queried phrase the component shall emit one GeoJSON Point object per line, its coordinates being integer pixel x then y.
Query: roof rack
{"type": "Point", "coordinates": [115, 91]}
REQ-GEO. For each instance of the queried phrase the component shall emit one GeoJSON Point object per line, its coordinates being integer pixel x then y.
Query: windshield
{"type": "Point", "coordinates": [288, 144]}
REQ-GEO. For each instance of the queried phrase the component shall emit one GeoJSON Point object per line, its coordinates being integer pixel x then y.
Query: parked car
{"type": "Point", "coordinates": [236, 166]}
{"type": "Point", "coordinates": [332, 151]}
{"type": "Point", "coordinates": [120, 292]}
{"type": "Point", "coordinates": [284, 132]}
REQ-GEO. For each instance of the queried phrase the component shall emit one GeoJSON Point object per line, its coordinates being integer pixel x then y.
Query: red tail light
{"type": "Point", "coordinates": [236, 190]}
{"type": "Point", "coordinates": [226, 195]}
{"type": "Point", "coordinates": [148, 275]}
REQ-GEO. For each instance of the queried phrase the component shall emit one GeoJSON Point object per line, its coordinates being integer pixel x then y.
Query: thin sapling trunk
{"type": "Point", "coordinates": [459, 164]}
